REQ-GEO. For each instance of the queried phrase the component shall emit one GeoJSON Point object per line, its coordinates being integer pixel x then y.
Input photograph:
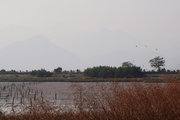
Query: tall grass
{"type": "Point", "coordinates": [134, 101]}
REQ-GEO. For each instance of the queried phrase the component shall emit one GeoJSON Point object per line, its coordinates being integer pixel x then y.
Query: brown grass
{"type": "Point", "coordinates": [134, 101]}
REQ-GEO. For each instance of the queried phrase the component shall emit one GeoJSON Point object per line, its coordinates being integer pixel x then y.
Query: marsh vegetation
{"type": "Point", "coordinates": [111, 101]}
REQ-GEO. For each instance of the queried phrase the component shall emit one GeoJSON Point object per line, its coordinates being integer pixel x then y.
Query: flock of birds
{"type": "Point", "coordinates": [146, 47]}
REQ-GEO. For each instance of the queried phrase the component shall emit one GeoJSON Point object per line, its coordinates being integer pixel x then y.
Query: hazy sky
{"type": "Point", "coordinates": [90, 28]}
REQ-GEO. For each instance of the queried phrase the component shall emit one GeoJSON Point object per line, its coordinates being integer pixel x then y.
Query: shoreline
{"type": "Point", "coordinates": [168, 79]}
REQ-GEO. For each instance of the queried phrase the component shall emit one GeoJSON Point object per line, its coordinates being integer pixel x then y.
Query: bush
{"type": "Point", "coordinates": [41, 73]}
{"type": "Point", "coordinates": [106, 71]}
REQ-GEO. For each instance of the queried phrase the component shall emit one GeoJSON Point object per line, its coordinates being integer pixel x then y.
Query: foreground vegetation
{"type": "Point", "coordinates": [113, 102]}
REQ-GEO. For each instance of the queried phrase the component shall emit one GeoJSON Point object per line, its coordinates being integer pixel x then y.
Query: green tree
{"type": "Point", "coordinates": [110, 72]}
{"type": "Point", "coordinates": [78, 71]}
{"type": "Point", "coordinates": [127, 64]}
{"type": "Point", "coordinates": [157, 63]}
{"type": "Point", "coordinates": [41, 73]}
{"type": "Point", "coordinates": [58, 70]}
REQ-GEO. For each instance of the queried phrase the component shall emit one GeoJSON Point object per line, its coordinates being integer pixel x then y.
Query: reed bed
{"type": "Point", "coordinates": [134, 101]}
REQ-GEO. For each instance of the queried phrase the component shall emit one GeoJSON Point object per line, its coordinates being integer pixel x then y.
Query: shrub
{"type": "Point", "coordinates": [41, 73]}
{"type": "Point", "coordinates": [109, 72]}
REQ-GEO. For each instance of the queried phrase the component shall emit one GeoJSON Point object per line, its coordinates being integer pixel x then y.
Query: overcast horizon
{"type": "Point", "coordinates": [101, 32]}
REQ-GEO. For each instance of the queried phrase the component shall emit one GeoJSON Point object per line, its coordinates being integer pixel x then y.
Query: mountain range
{"type": "Point", "coordinates": [39, 52]}
{"type": "Point", "coordinates": [36, 53]}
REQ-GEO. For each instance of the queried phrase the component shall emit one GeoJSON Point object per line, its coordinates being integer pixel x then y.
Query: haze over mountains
{"type": "Point", "coordinates": [86, 33]}
{"type": "Point", "coordinates": [39, 52]}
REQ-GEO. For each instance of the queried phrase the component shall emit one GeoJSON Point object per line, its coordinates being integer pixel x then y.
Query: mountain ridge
{"type": "Point", "coordinates": [36, 53]}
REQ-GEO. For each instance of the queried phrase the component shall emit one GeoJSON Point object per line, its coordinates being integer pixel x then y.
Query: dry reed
{"type": "Point", "coordinates": [114, 101]}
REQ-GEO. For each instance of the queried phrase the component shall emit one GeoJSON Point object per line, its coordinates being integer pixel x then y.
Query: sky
{"type": "Point", "coordinates": [96, 29]}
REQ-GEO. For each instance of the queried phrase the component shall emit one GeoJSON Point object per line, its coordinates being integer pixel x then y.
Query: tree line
{"type": "Point", "coordinates": [41, 72]}
{"type": "Point", "coordinates": [127, 69]}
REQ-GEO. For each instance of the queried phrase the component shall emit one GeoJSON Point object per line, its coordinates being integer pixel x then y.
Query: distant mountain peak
{"type": "Point", "coordinates": [38, 38]}
{"type": "Point", "coordinates": [35, 53]}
